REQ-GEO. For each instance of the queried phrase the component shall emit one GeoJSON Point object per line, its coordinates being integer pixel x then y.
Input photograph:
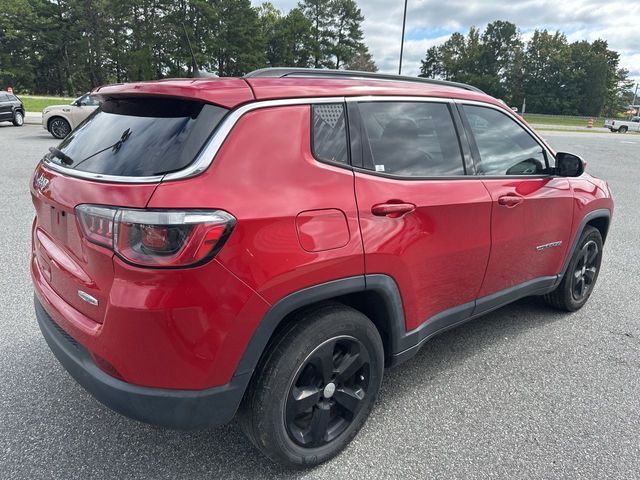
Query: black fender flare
{"type": "Point", "coordinates": [594, 214]}
{"type": "Point", "coordinates": [383, 285]}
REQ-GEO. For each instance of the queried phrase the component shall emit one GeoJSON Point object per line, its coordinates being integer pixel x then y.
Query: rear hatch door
{"type": "Point", "coordinates": [131, 142]}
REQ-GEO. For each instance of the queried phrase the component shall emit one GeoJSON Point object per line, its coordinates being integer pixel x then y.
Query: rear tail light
{"type": "Point", "coordinates": [157, 238]}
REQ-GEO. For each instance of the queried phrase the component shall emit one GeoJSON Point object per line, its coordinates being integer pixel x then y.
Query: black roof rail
{"type": "Point", "coordinates": [281, 72]}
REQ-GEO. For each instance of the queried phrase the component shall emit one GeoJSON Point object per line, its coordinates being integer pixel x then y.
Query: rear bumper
{"type": "Point", "coordinates": [184, 409]}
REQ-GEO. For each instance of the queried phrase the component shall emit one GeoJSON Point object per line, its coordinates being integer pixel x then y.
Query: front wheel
{"type": "Point", "coordinates": [581, 275]}
{"type": "Point", "coordinates": [316, 387]}
{"type": "Point", "coordinates": [18, 119]}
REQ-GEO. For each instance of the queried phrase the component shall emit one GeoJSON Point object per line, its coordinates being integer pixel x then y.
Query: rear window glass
{"type": "Point", "coordinates": [139, 136]}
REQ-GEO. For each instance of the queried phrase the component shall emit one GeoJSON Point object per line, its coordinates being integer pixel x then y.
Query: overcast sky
{"type": "Point", "coordinates": [430, 22]}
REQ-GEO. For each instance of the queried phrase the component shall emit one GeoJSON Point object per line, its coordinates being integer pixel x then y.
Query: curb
{"type": "Point", "coordinates": [33, 118]}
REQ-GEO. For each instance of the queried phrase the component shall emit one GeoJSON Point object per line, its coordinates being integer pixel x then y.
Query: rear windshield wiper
{"type": "Point", "coordinates": [115, 147]}
{"type": "Point", "coordinates": [67, 160]}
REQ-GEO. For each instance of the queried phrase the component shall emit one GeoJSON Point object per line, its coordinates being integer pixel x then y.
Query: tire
{"type": "Point", "coordinates": [18, 118]}
{"type": "Point", "coordinates": [59, 127]}
{"type": "Point", "coordinates": [623, 129]}
{"type": "Point", "coordinates": [581, 275]}
{"type": "Point", "coordinates": [290, 395]}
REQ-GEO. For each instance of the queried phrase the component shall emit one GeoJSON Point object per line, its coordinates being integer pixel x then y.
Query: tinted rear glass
{"type": "Point", "coordinates": [411, 139]}
{"type": "Point", "coordinates": [140, 136]}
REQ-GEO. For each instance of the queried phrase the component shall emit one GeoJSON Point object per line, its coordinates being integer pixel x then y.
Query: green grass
{"type": "Point", "coordinates": [37, 104]}
{"type": "Point", "coordinates": [569, 121]}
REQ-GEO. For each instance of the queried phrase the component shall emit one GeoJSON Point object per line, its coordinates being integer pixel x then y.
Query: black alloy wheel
{"type": "Point", "coordinates": [315, 386]}
{"type": "Point", "coordinates": [328, 392]}
{"type": "Point", "coordinates": [585, 271]}
{"type": "Point", "coordinates": [582, 272]}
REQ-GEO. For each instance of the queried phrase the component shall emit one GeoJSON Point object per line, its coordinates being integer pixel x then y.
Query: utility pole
{"type": "Point", "coordinates": [404, 22]}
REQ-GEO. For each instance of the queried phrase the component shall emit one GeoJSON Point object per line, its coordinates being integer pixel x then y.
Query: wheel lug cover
{"type": "Point", "coordinates": [329, 390]}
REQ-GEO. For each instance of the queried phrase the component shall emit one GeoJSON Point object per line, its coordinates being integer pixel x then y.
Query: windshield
{"type": "Point", "coordinates": [139, 137]}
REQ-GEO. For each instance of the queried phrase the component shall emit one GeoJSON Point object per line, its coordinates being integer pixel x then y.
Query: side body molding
{"type": "Point", "coordinates": [402, 344]}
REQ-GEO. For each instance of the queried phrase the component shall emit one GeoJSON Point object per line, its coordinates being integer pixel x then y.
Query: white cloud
{"type": "Point", "coordinates": [430, 22]}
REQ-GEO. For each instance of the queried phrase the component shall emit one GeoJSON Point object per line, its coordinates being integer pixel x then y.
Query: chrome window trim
{"type": "Point", "coordinates": [209, 151]}
{"type": "Point", "coordinates": [216, 140]}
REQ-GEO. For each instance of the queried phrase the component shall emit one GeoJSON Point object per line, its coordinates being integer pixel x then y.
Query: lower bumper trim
{"type": "Point", "coordinates": [182, 409]}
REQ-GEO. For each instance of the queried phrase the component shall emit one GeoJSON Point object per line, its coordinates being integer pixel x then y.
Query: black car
{"type": "Point", "coordinates": [11, 109]}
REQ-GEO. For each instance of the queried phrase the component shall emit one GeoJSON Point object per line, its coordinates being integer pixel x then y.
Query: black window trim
{"type": "Point", "coordinates": [353, 103]}
{"type": "Point", "coordinates": [347, 136]}
{"type": "Point", "coordinates": [475, 153]}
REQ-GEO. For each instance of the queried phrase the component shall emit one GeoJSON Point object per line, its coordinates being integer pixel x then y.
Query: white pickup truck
{"type": "Point", "coordinates": [623, 126]}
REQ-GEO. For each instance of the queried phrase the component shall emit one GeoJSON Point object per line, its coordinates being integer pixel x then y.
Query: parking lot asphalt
{"type": "Point", "coordinates": [524, 392]}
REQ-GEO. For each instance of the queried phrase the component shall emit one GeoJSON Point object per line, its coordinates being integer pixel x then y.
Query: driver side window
{"type": "Point", "coordinates": [504, 147]}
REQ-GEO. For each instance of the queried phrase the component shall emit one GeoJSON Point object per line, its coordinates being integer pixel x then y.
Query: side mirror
{"type": "Point", "coordinates": [569, 165]}
{"type": "Point", "coordinates": [77, 103]}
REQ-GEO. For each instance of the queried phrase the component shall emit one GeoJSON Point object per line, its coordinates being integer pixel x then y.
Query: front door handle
{"type": "Point", "coordinates": [392, 210]}
{"type": "Point", "coordinates": [510, 201]}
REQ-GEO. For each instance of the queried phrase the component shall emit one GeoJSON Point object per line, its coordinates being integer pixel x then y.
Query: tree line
{"type": "Point", "coordinates": [70, 46]}
{"type": "Point", "coordinates": [553, 75]}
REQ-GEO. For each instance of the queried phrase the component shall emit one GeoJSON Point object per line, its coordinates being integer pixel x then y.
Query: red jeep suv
{"type": "Point", "coordinates": [266, 245]}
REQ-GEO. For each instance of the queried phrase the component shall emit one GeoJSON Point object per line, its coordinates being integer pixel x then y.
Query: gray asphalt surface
{"type": "Point", "coordinates": [525, 392]}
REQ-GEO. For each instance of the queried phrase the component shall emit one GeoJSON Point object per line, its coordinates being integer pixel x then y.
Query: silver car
{"type": "Point", "coordinates": [59, 120]}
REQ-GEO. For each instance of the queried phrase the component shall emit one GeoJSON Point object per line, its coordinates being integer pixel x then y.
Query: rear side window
{"type": "Point", "coordinates": [140, 136]}
{"type": "Point", "coordinates": [330, 133]}
{"type": "Point", "coordinates": [505, 148]}
{"type": "Point", "coordinates": [413, 139]}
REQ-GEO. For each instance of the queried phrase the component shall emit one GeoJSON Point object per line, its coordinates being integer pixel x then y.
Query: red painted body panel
{"type": "Point", "coordinates": [226, 92]}
{"type": "Point", "coordinates": [541, 218]}
{"type": "Point", "coordinates": [66, 258]}
{"type": "Point", "coordinates": [300, 223]}
{"type": "Point", "coordinates": [182, 329]}
{"type": "Point", "coordinates": [266, 176]}
{"type": "Point", "coordinates": [438, 253]}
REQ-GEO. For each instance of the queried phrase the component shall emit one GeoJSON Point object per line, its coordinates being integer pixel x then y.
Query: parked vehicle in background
{"type": "Point", "coordinates": [60, 120]}
{"type": "Point", "coordinates": [266, 245]}
{"type": "Point", "coordinates": [11, 109]}
{"type": "Point", "coordinates": [623, 126]}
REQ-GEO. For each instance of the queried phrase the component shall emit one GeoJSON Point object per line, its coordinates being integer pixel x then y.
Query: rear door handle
{"type": "Point", "coordinates": [510, 201]}
{"type": "Point", "coordinates": [392, 210]}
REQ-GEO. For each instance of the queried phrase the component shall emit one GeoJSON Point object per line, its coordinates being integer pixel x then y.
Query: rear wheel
{"type": "Point", "coordinates": [316, 387]}
{"type": "Point", "coordinates": [623, 129]}
{"type": "Point", "coordinates": [581, 275]}
{"type": "Point", "coordinates": [59, 127]}
{"type": "Point", "coordinates": [18, 119]}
